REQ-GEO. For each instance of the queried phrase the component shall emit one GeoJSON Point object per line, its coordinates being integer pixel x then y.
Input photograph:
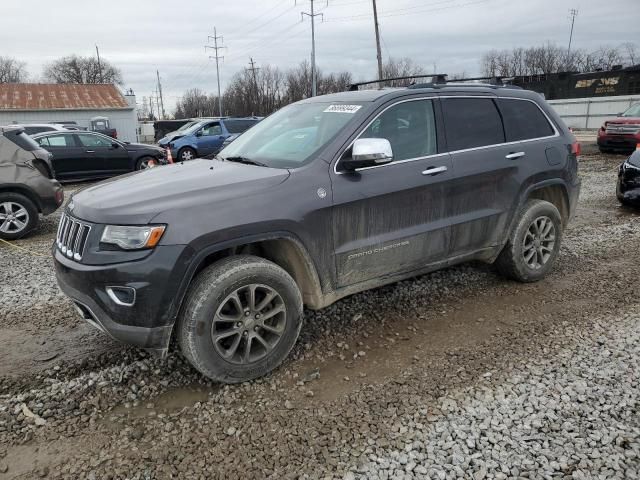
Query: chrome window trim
{"type": "Point", "coordinates": [556, 133]}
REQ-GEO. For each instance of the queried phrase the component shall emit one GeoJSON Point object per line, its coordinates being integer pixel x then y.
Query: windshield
{"type": "Point", "coordinates": [632, 111]}
{"type": "Point", "coordinates": [292, 136]}
{"type": "Point", "coordinates": [186, 126]}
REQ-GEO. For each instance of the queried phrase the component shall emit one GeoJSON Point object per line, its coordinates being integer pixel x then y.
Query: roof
{"type": "Point", "coordinates": [47, 96]}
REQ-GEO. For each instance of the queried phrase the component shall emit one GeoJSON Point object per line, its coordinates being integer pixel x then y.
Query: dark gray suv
{"type": "Point", "coordinates": [325, 198]}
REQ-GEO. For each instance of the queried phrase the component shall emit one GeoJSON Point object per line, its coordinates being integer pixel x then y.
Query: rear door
{"type": "Point", "coordinates": [211, 139]}
{"type": "Point", "coordinates": [392, 218]}
{"type": "Point", "coordinates": [113, 158]}
{"type": "Point", "coordinates": [68, 157]}
{"type": "Point", "coordinates": [489, 171]}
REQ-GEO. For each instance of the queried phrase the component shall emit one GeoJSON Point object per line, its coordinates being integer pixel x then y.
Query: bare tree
{"type": "Point", "coordinates": [631, 51]}
{"type": "Point", "coordinates": [12, 70]}
{"type": "Point", "coordinates": [76, 69]}
{"type": "Point", "coordinates": [400, 67]}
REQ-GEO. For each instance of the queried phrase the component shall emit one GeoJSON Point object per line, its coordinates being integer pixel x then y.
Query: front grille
{"type": "Point", "coordinates": [622, 129]}
{"type": "Point", "coordinates": [72, 236]}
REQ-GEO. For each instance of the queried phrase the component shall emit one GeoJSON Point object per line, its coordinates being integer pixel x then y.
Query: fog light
{"type": "Point", "coordinates": [124, 296]}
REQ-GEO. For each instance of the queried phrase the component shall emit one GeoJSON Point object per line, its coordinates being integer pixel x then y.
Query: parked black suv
{"type": "Point", "coordinates": [327, 197]}
{"type": "Point", "coordinates": [25, 187]}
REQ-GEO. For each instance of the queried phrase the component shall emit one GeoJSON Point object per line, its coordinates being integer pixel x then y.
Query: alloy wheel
{"type": "Point", "coordinates": [13, 217]}
{"type": "Point", "coordinates": [249, 324]}
{"type": "Point", "coordinates": [187, 155]}
{"type": "Point", "coordinates": [538, 242]}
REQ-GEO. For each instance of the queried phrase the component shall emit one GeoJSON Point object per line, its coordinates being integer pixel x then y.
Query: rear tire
{"type": "Point", "coordinates": [232, 335]}
{"type": "Point", "coordinates": [185, 154]}
{"type": "Point", "coordinates": [534, 243]}
{"type": "Point", "coordinates": [18, 216]}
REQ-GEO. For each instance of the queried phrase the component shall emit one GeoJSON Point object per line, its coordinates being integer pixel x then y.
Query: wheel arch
{"type": "Point", "coordinates": [554, 192]}
{"type": "Point", "coordinates": [23, 190]}
{"type": "Point", "coordinates": [283, 248]}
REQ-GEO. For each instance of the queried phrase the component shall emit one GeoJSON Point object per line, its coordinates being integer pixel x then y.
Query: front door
{"type": "Point", "coordinates": [210, 139]}
{"type": "Point", "coordinates": [113, 157]}
{"type": "Point", "coordinates": [393, 218]}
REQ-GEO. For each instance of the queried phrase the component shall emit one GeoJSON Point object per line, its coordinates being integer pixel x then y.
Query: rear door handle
{"type": "Point", "coordinates": [514, 155]}
{"type": "Point", "coordinates": [434, 170]}
{"type": "Point", "coordinates": [91, 151]}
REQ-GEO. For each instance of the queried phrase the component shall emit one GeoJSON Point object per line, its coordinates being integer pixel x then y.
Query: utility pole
{"type": "Point", "coordinates": [313, 15]}
{"type": "Point", "coordinates": [157, 97]}
{"type": "Point", "coordinates": [217, 57]}
{"type": "Point", "coordinates": [254, 69]}
{"type": "Point", "coordinates": [574, 13]}
{"type": "Point", "coordinates": [161, 99]}
{"type": "Point", "coordinates": [99, 65]}
{"type": "Point", "coordinates": [375, 22]}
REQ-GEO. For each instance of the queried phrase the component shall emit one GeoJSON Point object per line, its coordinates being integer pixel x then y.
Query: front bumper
{"type": "Point", "coordinates": [628, 186]}
{"type": "Point", "coordinates": [156, 278]}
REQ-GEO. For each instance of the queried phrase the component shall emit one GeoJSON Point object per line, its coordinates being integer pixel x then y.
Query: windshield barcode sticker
{"type": "Point", "coordinates": [342, 108]}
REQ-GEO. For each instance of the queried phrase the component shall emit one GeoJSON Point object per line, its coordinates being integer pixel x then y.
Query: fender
{"type": "Point", "coordinates": [522, 198]}
{"type": "Point", "coordinates": [312, 295]}
{"type": "Point", "coordinates": [25, 190]}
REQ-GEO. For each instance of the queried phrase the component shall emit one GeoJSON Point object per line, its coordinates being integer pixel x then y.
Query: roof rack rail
{"type": "Point", "coordinates": [435, 78]}
{"type": "Point", "coordinates": [439, 80]}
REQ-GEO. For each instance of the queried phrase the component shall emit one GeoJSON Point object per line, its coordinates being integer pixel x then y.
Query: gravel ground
{"type": "Point", "coordinates": [456, 374]}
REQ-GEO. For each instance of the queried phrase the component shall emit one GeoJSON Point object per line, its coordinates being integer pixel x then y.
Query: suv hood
{"type": "Point", "coordinates": [136, 198]}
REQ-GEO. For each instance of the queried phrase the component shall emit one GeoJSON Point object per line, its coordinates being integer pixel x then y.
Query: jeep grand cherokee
{"type": "Point", "coordinates": [327, 197]}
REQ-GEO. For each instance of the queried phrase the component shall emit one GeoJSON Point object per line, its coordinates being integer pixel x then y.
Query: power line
{"type": "Point", "coordinates": [217, 57]}
{"type": "Point", "coordinates": [312, 16]}
{"type": "Point", "coordinates": [404, 11]}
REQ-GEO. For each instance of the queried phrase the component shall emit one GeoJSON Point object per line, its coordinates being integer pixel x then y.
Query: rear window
{"type": "Point", "coordinates": [23, 140]}
{"type": "Point", "coordinates": [523, 120]}
{"type": "Point", "coordinates": [471, 122]}
{"type": "Point", "coordinates": [239, 126]}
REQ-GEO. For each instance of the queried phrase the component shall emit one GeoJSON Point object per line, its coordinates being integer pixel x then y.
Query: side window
{"type": "Point", "coordinates": [239, 126]}
{"type": "Point", "coordinates": [471, 122]}
{"type": "Point", "coordinates": [60, 141]}
{"type": "Point", "coordinates": [410, 127]}
{"type": "Point", "coordinates": [43, 142]}
{"type": "Point", "coordinates": [211, 130]}
{"type": "Point", "coordinates": [88, 140]}
{"type": "Point", "coordinates": [523, 120]}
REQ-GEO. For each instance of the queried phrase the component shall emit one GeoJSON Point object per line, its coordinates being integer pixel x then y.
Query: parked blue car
{"type": "Point", "coordinates": [205, 138]}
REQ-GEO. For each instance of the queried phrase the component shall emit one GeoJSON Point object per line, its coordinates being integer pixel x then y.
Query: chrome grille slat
{"type": "Point", "coordinates": [72, 236]}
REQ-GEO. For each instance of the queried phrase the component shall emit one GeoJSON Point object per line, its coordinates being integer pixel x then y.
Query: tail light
{"type": "Point", "coordinates": [575, 148]}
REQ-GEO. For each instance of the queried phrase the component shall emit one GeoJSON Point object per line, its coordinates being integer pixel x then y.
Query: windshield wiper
{"type": "Point", "coordinates": [245, 160]}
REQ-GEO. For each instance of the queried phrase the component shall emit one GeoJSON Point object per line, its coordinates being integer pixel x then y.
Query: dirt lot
{"type": "Point", "coordinates": [456, 374]}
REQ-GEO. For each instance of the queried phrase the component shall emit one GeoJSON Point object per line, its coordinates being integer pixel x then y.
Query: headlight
{"type": "Point", "coordinates": [132, 238]}
{"type": "Point", "coordinates": [634, 160]}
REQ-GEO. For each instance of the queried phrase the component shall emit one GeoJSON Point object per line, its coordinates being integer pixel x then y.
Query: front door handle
{"type": "Point", "coordinates": [91, 151]}
{"type": "Point", "coordinates": [514, 155]}
{"type": "Point", "coordinates": [434, 170]}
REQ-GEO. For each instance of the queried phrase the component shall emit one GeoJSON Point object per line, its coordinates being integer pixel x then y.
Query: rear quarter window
{"type": "Point", "coordinates": [523, 120]}
{"type": "Point", "coordinates": [471, 123]}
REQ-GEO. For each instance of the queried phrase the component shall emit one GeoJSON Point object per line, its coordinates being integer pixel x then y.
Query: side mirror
{"type": "Point", "coordinates": [115, 145]}
{"type": "Point", "coordinates": [199, 133]}
{"type": "Point", "coordinates": [368, 152]}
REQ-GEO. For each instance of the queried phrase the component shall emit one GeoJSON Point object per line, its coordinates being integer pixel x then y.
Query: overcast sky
{"type": "Point", "coordinates": [140, 36]}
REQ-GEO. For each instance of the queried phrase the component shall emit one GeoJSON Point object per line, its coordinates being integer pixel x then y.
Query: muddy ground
{"type": "Point", "coordinates": [365, 374]}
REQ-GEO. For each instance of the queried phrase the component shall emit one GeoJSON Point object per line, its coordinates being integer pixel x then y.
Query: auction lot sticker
{"type": "Point", "coordinates": [342, 108]}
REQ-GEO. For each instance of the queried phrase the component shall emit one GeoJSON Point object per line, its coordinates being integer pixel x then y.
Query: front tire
{"type": "Point", "coordinates": [18, 216]}
{"type": "Point", "coordinates": [145, 163]}
{"type": "Point", "coordinates": [187, 153]}
{"type": "Point", "coordinates": [534, 243]}
{"type": "Point", "coordinates": [241, 317]}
